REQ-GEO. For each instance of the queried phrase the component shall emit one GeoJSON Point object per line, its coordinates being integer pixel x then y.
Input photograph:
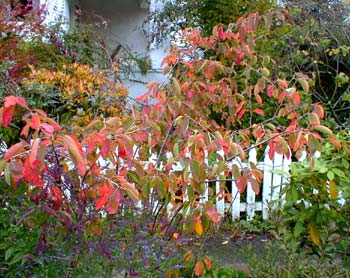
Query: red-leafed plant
{"type": "Point", "coordinates": [121, 165]}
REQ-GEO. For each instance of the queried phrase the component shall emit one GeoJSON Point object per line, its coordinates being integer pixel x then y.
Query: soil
{"type": "Point", "coordinates": [229, 249]}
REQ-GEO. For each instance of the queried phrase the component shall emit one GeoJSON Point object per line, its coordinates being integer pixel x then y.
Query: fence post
{"type": "Point", "coordinates": [219, 200]}
{"type": "Point", "coordinates": [236, 196]}
{"type": "Point", "coordinates": [220, 204]}
{"type": "Point", "coordinates": [267, 185]}
{"type": "Point", "coordinates": [250, 192]}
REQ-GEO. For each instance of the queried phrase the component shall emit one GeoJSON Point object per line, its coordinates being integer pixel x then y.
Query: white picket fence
{"type": "Point", "coordinates": [248, 203]}
{"type": "Point", "coordinates": [270, 189]}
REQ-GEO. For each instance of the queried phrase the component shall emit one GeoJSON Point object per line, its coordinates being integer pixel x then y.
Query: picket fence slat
{"type": "Point", "coordinates": [271, 187]}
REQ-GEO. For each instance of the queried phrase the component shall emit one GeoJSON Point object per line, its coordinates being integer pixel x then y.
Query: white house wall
{"type": "Point", "coordinates": [56, 10]}
{"type": "Point", "coordinates": [125, 18]}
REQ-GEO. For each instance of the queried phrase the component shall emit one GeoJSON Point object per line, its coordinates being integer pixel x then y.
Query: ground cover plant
{"type": "Point", "coordinates": [93, 197]}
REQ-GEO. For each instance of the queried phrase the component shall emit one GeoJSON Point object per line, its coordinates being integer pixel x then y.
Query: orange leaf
{"type": "Point", "coordinates": [198, 227]}
{"type": "Point", "coordinates": [296, 98]}
{"type": "Point", "coordinates": [282, 84]}
{"type": "Point", "coordinates": [314, 235]}
{"type": "Point", "coordinates": [318, 109]}
{"type": "Point", "coordinates": [208, 263]}
{"type": "Point", "coordinates": [35, 122]}
{"type": "Point", "coordinates": [198, 268]}
{"type": "Point", "coordinates": [76, 153]}
{"type": "Point", "coordinates": [333, 190]}
{"type": "Point", "coordinates": [335, 142]}
{"type": "Point", "coordinates": [15, 150]}
{"type": "Point", "coordinates": [188, 256]}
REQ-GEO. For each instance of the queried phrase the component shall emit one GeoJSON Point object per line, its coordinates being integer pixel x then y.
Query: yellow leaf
{"type": "Point", "coordinates": [314, 235]}
{"type": "Point", "coordinates": [332, 190]}
{"type": "Point", "coordinates": [198, 227]}
{"type": "Point", "coordinates": [131, 191]}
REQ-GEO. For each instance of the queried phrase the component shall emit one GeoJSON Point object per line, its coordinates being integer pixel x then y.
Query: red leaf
{"type": "Point", "coordinates": [56, 192]}
{"type": "Point", "coordinates": [221, 33]}
{"type": "Point", "coordinates": [225, 146]}
{"type": "Point", "coordinates": [7, 114]}
{"type": "Point", "coordinates": [239, 106]}
{"type": "Point", "coordinates": [292, 126]}
{"type": "Point", "coordinates": [104, 190]}
{"type": "Point", "coordinates": [241, 114]}
{"type": "Point", "coordinates": [10, 101]}
{"type": "Point", "coordinates": [76, 153]}
{"type": "Point", "coordinates": [259, 111]}
{"type": "Point", "coordinates": [21, 102]}
{"type": "Point", "coordinates": [212, 213]}
{"type": "Point", "coordinates": [271, 149]}
{"type": "Point", "coordinates": [241, 184]}
{"type": "Point", "coordinates": [47, 129]}
{"type": "Point", "coordinates": [55, 125]}
{"type": "Point", "coordinates": [114, 201]}
{"type": "Point", "coordinates": [270, 90]}
{"type": "Point", "coordinates": [281, 97]}
{"type": "Point", "coordinates": [122, 152]}
{"type": "Point", "coordinates": [25, 129]}
{"type": "Point", "coordinates": [31, 172]}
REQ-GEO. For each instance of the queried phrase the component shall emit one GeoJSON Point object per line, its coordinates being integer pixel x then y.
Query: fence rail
{"type": "Point", "coordinates": [248, 203]}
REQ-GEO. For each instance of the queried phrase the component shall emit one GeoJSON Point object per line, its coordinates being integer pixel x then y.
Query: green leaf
{"type": "Point", "coordinates": [345, 163]}
{"type": "Point", "coordinates": [298, 229]}
{"type": "Point", "coordinates": [346, 97]}
{"type": "Point", "coordinates": [292, 194]}
{"type": "Point", "coordinates": [330, 175]}
{"type": "Point", "coordinates": [339, 172]}
{"type": "Point", "coordinates": [16, 258]}
{"type": "Point", "coordinates": [323, 129]}
{"type": "Point", "coordinates": [198, 171]}
{"type": "Point", "coordinates": [9, 252]}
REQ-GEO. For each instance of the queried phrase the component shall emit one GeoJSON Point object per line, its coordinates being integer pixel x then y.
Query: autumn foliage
{"type": "Point", "coordinates": [159, 157]}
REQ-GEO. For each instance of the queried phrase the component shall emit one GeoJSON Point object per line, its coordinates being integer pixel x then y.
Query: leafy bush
{"type": "Point", "coordinates": [113, 183]}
